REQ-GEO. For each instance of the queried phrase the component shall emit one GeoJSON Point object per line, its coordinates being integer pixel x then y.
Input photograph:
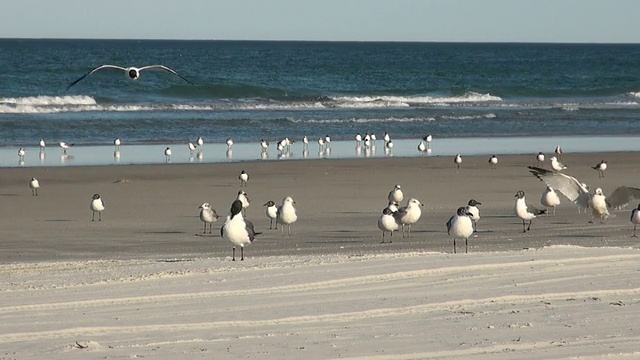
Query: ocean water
{"type": "Point", "coordinates": [254, 90]}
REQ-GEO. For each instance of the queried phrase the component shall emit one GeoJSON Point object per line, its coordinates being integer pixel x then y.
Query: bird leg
{"type": "Point", "coordinates": [289, 229]}
{"type": "Point", "coordinates": [242, 253]}
{"type": "Point", "coordinates": [529, 227]}
{"type": "Point", "coordinates": [382, 236]}
{"type": "Point", "coordinates": [524, 229]}
{"type": "Point", "coordinates": [233, 257]}
{"type": "Point", "coordinates": [93, 214]}
{"type": "Point", "coordinates": [634, 231]}
{"type": "Point", "coordinates": [204, 230]}
{"type": "Point", "coordinates": [454, 245]}
{"type": "Point", "coordinates": [99, 216]}
{"type": "Point", "coordinates": [475, 226]}
{"type": "Point", "coordinates": [466, 246]}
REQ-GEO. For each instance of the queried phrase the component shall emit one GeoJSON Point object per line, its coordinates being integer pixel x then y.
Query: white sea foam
{"type": "Point", "coordinates": [391, 101]}
{"type": "Point", "coordinates": [470, 117]}
{"type": "Point", "coordinates": [361, 120]}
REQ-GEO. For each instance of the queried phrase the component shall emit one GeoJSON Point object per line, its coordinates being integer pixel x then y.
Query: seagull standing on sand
{"type": "Point", "coordinates": [167, 154]}
{"type": "Point", "coordinates": [408, 215]}
{"type": "Point", "coordinates": [327, 140]}
{"type": "Point", "coordinates": [305, 142]}
{"type": "Point", "coordinates": [422, 148]}
{"type": "Point", "coordinates": [601, 167]}
{"type": "Point", "coordinates": [21, 153]}
{"type": "Point", "coordinates": [200, 141]}
{"type": "Point", "coordinates": [116, 143]}
{"type": "Point", "coordinates": [34, 185]}
{"type": "Point", "coordinates": [97, 206]}
{"type": "Point", "coordinates": [42, 144]}
{"type": "Point", "coordinates": [558, 151]}
{"type": "Point", "coordinates": [599, 206]}
{"type": "Point", "coordinates": [244, 199]}
{"type": "Point", "coordinates": [457, 160]}
{"type": "Point", "coordinates": [472, 209]}
{"type": "Point", "coordinates": [243, 177]}
{"type": "Point", "coordinates": [568, 186]}
{"type": "Point", "coordinates": [540, 159]}
{"type": "Point", "coordinates": [320, 144]}
{"type": "Point", "coordinates": [272, 213]}
{"type": "Point", "coordinates": [287, 214]}
{"type": "Point", "coordinates": [396, 194]}
{"type": "Point", "coordinates": [358, 139]}
{"type": "Point", "coordinates": [65, 146]}
{"type": "Point", "coordinates": [493, 161]}
{"type": "Point", "coordinates": [525, 211]}
{"type": "Point", "coordinates": [132, 73]}
{"type": "Point", "coordinates": [386, 137]}
{"type": "Point", "coordinates": [237, 229]}
{"type": "Point", "coordinates": [550, 199]}
{"type": "Point", "coordinates": [264, 145]}
{"type": "Point", "coordinates": [207, 216]}
{"type": "Point", "coordinates": [557, 165]}
{"type": "Point", "coordinates": [635, 219]}
{"type": "Point", "coordinates": [387, 223]}
{"type": "Point", "coordinates": [460, 226]}
{"type": "Point", "coordinates": [192, 148]}
{"type": "Point", "coordinates": [229, 143]}
{"type": "Point", "coordinates": [428, 140]}
{"type": "Point", "coordinates": [373, 139]}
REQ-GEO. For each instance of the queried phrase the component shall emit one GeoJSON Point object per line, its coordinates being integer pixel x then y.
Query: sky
{"type": "Point", "coordinates": [584, 21]}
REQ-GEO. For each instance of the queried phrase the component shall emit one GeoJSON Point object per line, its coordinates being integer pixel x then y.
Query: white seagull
{"type": "Point", "coordinates": [386, 138]}
{"type": "Point", "coordinates": [97, 206]}
{"type": "Point", "coordinates": [428, 140]}
{"type": "Point", "coordinates": [244, 199]}
{"type": "Point", "coordinates": [264, 145]}
{"type": "Point", "coordinates": [243, 177]}
{"type": "Point", "coordinates": [21, 153]}
{"type": "Point", "coordinates": [65, 146]}
{"type": "Point", "coordinates": [457, 160]}
{"type": "Point", "coordinates": [422, 148]}
{"type": "Point", "coordinates": [472, 209]}
{"type": "Point", "coordinates": [557, 165]}
{"type": "Point", "coordinates": [525, 211]}
{"type": "Point", "coordinates": [387, 223]}
{"type": "Point", "coordinates": [167, 154]}
{"type": "Point", "coordinates": [320, 144]}
{"type": "Point", "coordinates": [601, 167]}
{"type": "Point", "coordinates": [200, 141]}
{"type": "Point", "coordinates": [396, 194]}
{"type": "Point", "coordinates": [117, 143]}
{"type": "Point", "coordinates": [635, 219]}
{"type": "Point", "coordinates": [287, 214]}
{"type": "Point", "coordinates": [493, 161]}
{"type": "Point", "coordinates": [238, 230]}
{"type": "Point", "coordinates": [558, 151]}
{"type": "Point", "coordinates": [272, 213]}
{"type": "Point", "coordinates": [460, 226]}
{"type": "Point", "coordinates": [207, 216]}
{"type": "Point", "coordinates": [229, 143]}
{"type": "Point", "coordinates": [550, 199]}
{"type": "Point", "coordinates": [132, 73]}
{"type": "Point", "coordinates": [192, 148]}
{"type": "Point", "coordinates": [408, 215]}
{"type": "Point", "coordinates": [389, 145]}
{"type": "Point", "coordinates": [358, 138]}
{"type": "Point", "coordinates": [327, 140]}
{"type": "Point", "coordinates": [540, 158]}
{"type": "Point", "coordinates": [42, 144]}
{"type": "Point", "coordinates": [305, 142]}
{"type": "Point", "coordinates": [34, 185]}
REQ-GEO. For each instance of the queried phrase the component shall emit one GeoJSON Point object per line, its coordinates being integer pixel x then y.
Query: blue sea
{"type": "Point", "coordinates": [473, 98]}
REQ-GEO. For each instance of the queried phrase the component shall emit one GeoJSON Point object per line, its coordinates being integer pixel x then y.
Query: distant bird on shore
{"type": "Point", "coordinates": [389, 145]}
{"type": "Point", "coordinates": [408, 215]}
{"type": "Point", "coordinates": [264, 145]}
{"type": "Point", "coordinates": [327, 141]}
{"type": "Point", "coordinates": [287, 214]}
{"type": "Point", "coordinates": [635, 219]}
{"type": "Point", "coordinates": [42, 144]}
{"type": "Point", "coordinates": [601, 167]}
{"type": "Point", "coordinates": [132, 73]}
{"type": "Point", "coordinates": [21, 153]}
{"type": "Point", "coordinates": [272, 213]}
{"type": "Point", "coordinates": [386, 137]}
{"type": "Point", "coordinates": [34, 185]}
{"type": "Point", "coordinates": [320, 144]}
{"type": "Point", "coordinates": [373, 139]}
{"type": "Point", "coordinates": [460, 226]}
{"type": "Point", "coordinates": [97, 206]}
{"type": "Point", "coordinates": [116, 143]}
{"type": "Point", "coordinates": [472, 209]}
{"type": "Point", "coordinates": [457, 160]}
{"type": "Point", "coordinates": [200, 141]}
{"type": "Point", "coordinates": [493, 161]}
{"type": "Point", "coordinates": [558, 151]}
{"type": "Point", "coordinates": [358, 139]}
{"type": "Point", "coordinates": [238, 230]}
{"type": "Point", "coordinates": [243, 177]}
{"type": "Point", "coordinates": [305, 142]}
{"type": "Point", "coordinates": [192, 148]}
{"type": "Point", "coordinates": [167, 154]}
{"type": "Point", "coordinates": [387, 223]}
{"type": "Point", "coordinates": [525, 211]}
{"type": "Point", "coordinates": [550, 199]}
{"type": "Point", "coordinates": [208, 216]}
{"type": "Point", "coordinates": [65, 146]}
{"type": "Point", "coordinates": [540, 159]}
{"type": "Point", "coordinates": [422, 148]}
{"type": "Point", "coordinates": [396, 194]}
{"type": "Point", "coordinates": [229, 143]}
{"type": "Point", "coordinates": [428, 140]}
{"type": "Point", "coordinates": [557, 165]}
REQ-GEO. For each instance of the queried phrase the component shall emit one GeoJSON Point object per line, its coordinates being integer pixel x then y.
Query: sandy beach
{"type": "Point", "coordinates": [144, 282]}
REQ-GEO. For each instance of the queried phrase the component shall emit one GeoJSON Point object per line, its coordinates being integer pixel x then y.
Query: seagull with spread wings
{"type": "Point", "coordinates": [132, 73]}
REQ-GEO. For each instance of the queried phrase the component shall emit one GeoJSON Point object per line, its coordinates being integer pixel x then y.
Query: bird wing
{"type": "Point", "coordinates": [567, 185]}
{"type": "Point", "coordinates": [166, 69]}
{"type": "Point", "coordinates": [94, 70]}
{"type": "Point", "coordinates": [622, 196]}
{"type": "Point", "coordinates": [534, 210]}
{"type": "Point", "coordinates": [400, 213]}
{"type": "Point", "coordinates": [449, 223]}
{"type": "Point", "coordinates": [250, 230]}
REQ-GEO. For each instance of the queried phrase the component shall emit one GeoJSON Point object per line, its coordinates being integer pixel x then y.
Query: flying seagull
{"type": "Point", "coordinates": [132, 73]}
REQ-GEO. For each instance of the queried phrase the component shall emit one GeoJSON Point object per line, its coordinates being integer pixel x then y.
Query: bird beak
{"type": "Point", "coordinates": [469, 214]}
{"type": "Point", "coordinates": [479, 203]}
{"type": "Point", "coordinates": [265, 204]}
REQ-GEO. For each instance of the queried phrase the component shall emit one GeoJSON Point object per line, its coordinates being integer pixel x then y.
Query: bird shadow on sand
{"type": "Point", "coordinates": [584, 236]}
{"type": "Point", "coordinates": [9, 195]}
{"type": "Point", "coordinates": [59, 220]}
{"type": "Point", "coordinates": [164, 232]}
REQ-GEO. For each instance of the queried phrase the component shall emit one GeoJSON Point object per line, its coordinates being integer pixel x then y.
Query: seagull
{"type": "Point", "coordinates": [472, 209]}
{"type": "Point", "coordinates": [393, 206]}
{"type": "Point", "coordinates": [358, 138]}
{"type": "Point", "coordinates": [408, 215]}
{"type": "Point", "coordinates": [550, 199]}
{"type": "Point", "coordinates": [264, 144]}
{"type": "Point", "coordinates": [243, 177]}
{"type": "Point", "coordinates": [525, 211]}
{"type": "Point", "coordinates": [237, 229]}
{"type": "Point", "coordinates": [598, 204]}
{"type": "Point", "coordinates": [244, 199]}
{"type": "Point", "coordinates": [287, 214]}
{"type": "Point", "coordinates": [327, 140]}
{"type": "Point", "coordinates": [207, 216]}
{"type": "Point", "coordinates": [373, 138]}
{"type": "Point", "coordinates": [386, 138]}
{"type": "Point", "coordinates": [389, 145]}
{"type": "Point", "coordinates": [558, 151]}
{"type": "Point", "coordinates": [367, 143]}
{"type": "Point", "coordinates": [42, 144]}
{"type": "Point", "coordinates": [167, 154]}
{"type": "Point", "coordinates": [21, 153]}
{"type": "Point", "coordinates": [387, 223]}
{"type": "Point", "coordinates": [305, 142]}
{"type": "Point", "coordinates": [65, 146]}
{"type": "Point", "coordinates": [618, 199]}
{"type": "Point", "coordinates": [570, 187]}
{"type": "Point", "coordinates": [320, 144]}
{"type": "Point", "coordinates": [460, 226]}
{"type": "Point", "coordinates": [200, 141]}
{"type": "Point", "coordinates": [34, 185]}
{"type": "Point", "coordinates": [601, 167]}
{"type": "Point", "coordinates": [229, 143]}
{"type": "Point", "coordinates": [557, 165]}
{"type": "Point", "coordinates": [272, 213]}
{"type": "Point", "coordinates": [192, 148]}
{"type": "Point", "coordinates": [116, 143]}
{"type": "Point", "coordinates": [635, 219]}
{"type": "Point", "coordinates": [97, 206]}
{"type": "Point", "coordinates": [396, 194]}
{"type": "Point", "coordinates": [428, 140]}
{"type": "Point", "coordinates": [457, 160]}
{"type": "Point", "coordinates": [422, 148]}
{"type": "Point", "coordinates": [540, 158]}
{"type": "Point", "coordinates": [131, 72]}
{"type": "Point", "coordinates": [493, 161]}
